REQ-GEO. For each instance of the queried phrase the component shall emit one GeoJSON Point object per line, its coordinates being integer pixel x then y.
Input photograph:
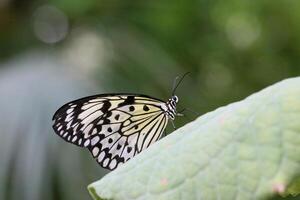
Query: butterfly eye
{"type": "Point", "coordinates": [175, 99]}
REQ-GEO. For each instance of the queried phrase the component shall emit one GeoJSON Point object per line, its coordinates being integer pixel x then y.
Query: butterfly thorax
{"type": "Point", "coordinates": [170, 107]}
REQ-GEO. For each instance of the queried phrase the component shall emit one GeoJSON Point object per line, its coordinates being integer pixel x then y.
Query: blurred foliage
{"type": "Point", "coordinates": [232, 48]}
{"type": "Point", "coordinates": [35, 163]}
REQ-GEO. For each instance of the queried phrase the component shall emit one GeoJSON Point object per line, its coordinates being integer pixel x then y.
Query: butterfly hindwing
{"type": "Point", "coordinates": [114, 127]}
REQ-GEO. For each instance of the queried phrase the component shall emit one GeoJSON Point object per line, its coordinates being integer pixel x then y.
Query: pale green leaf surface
{"type": "Point", "coordinates": [246, 150]}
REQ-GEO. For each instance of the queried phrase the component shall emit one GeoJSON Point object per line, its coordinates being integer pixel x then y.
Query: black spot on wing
{"type": "Point", "coordinates": [129, 149]}
{"type": "Point", "coordinates": [131, 108]}
{"type": "Point", "coordinates": [119, 146]}
{"type": "Point", "coordinates": [146, 108]}
{"type": "Point", "coordinates": [106, 106]}
{"type": "Point", "coordinates": [128, 101]}
{"type": "Point", "coordinates": [106, 121]}
{"type": "Point", "coordinates": [106, 116]}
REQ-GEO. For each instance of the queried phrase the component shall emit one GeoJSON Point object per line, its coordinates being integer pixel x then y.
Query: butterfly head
{"type": "Point", "coordinates": [175, 99]}
{"type": "Point", "coordinates": [171, 107]}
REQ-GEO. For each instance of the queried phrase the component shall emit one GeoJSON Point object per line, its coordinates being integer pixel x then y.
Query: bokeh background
{"type": "Point", "coordinates": [55, 51]}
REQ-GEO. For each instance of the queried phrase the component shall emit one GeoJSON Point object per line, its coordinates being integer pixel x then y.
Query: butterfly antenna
{"type": "Point", "coordinates": [176, 85]}
{"type": "Point", "coordinates": [192, 111]}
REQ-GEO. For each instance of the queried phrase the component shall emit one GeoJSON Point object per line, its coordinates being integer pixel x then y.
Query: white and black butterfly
{"type": "Point", "coordinates": [114, 127]}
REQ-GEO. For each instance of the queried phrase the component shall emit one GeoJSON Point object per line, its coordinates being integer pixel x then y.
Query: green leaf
{"type": "Point", "coordinates": [246, 150]}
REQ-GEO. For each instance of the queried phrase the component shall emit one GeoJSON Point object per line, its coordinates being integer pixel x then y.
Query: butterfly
{"type": "Point", "coordinates": [115, 127]}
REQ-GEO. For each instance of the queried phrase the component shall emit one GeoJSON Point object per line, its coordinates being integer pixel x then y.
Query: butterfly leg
{"type": "Point", "coordinates": [180, 113]}
{"type": "Point", "coordinates": [165, 133]}
{"type": "Point", "coordinates": [173, 124]}
{"type": "Point", "coordinates": [192, 111]}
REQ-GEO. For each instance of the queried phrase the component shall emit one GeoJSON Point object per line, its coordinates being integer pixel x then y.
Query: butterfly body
{"type": "Point", "coordinates": [114, 127]}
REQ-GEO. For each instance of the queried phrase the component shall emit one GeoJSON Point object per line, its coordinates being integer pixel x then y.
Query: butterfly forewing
{"type": "Point", "coordinates": [114, 127]}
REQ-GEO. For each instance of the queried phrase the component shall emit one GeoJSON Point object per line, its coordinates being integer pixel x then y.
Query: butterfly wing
{"type": "Point", "coordinates": [114, 127]}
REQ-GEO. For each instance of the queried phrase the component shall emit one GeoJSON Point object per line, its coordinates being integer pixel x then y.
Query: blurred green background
{"type": "Point", "coordinates": [52, 52]}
